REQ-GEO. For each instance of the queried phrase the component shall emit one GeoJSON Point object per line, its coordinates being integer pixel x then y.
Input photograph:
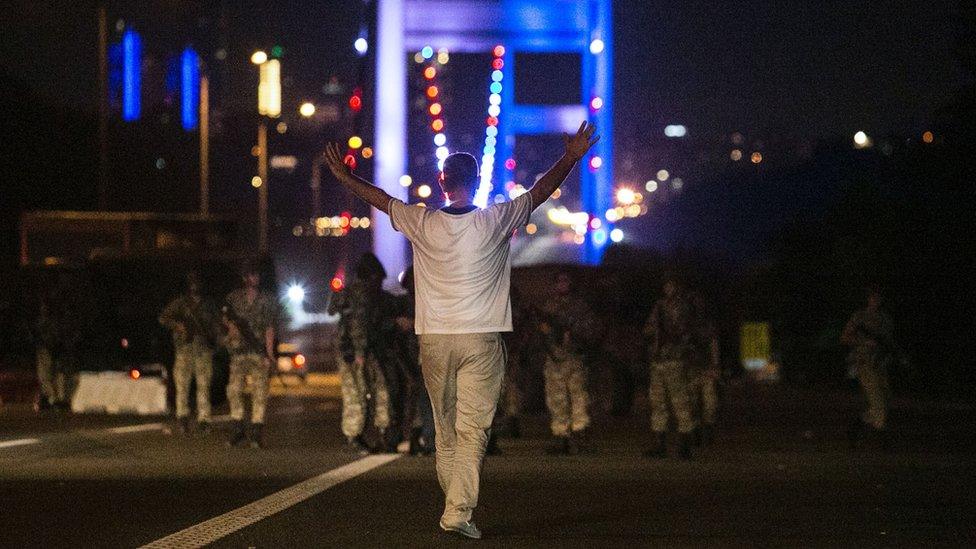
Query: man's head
{"type": "Point", "coordinates": [251, 274]}
{"type": "Point", "coordinates": [370, 270]}
{"type": "Point", "coordinates": [459, 178]}
{"type": "Point", "coordinates": [192, 283]}
{"type": "Point", "coordinates": [874, 296]}
{"type": "Point", "coordinates": [564, 284]}
{"type": "Point", "coordinates": [672, 284]}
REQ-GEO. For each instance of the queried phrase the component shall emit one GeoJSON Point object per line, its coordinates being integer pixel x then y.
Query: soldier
{"type": "Point", "coordinates": [670, 328]}
{"type": "Point", "coordinates": [418, 416]}
{"type": "Point", "coordinates": [565, 321]}
{"type": "Point", "coordinates": [192, 319]}
{"type": "Point", "coordinates": [870, 335]}
{"type": "Point", "coordinates": [250, 317]}
{"type": "Point", "coordinates": [48, 359]}
{"type": "Point", "coordinates": [364, 324]}
{"type": "Point", "coordinates": [705, 372]}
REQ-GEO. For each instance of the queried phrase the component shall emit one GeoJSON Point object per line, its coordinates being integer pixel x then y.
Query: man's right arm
{"type": "Point", "coordinates": [576, 147]}
{"type": "Point", "coordinates": [375, 196]}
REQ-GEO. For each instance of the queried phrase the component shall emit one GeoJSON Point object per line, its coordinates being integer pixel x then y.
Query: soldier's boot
{"type": "Point", "coordinates": [559, 446]}
{"type": "Point", "coordinates": [572, 446]}
{"type": "Point", "coordinates": [883, 439]}
{"type": "Point", "coordinates": [237, 434]}
{"type": "Point", "coordinates": [514, 429]}
{"type": "Point", "coordinates": [492, 448]}
{"type": "Point", "coordinates": [256, 436]}
{"type": "Point", "coordinates": [581, 440]}
{"type": "Point", "coordinates": [684, 446]}
{"type": "Point", "coordinates": [707, 434]}
{"type": "Point", "coordinates": [358, 444]}
{"type": "Point", "coordinates": [854, 432]}
{"type": "Point", "coordinates": [415, 441]}
{"type": "Point", "coordinates": [183, 425]}
{"type": "Point", "coordinates": [204, 427]}
{"type": "Point", "coordinates": [659, 448]}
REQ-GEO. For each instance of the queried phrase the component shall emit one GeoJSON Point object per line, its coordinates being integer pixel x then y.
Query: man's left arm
{"type": "Point", "coordinates": [375, 196]}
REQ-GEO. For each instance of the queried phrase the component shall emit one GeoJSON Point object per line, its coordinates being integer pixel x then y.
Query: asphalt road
{"type": "Point", "coordinates": [779, 474]}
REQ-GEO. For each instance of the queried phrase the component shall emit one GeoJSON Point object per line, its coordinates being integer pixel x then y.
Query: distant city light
{"type": "Point", "coordinates": [496, 76]}
{"type": "Point", "coordinates": [735, 155]}
{"type": "Point", "coordinates": [259, 57]}
{"type": "Point", "coordinates": [599, 235]}
{"type": "Point", "coordinates": [361, 45]}
{"type": "Point", "coordinates": [406, 180]}
{"type": "Point", "coordinates": [424, 191]}
{"type": "Point", "coordinates": [498, 51]}
{"type": "Point", "coordinates": [355, 142]}
{"type": "Point", "coordinates": [131, 76]}
{"type": "Point", "coordinates": [595, 163]}
{"type": "Point", "coordinates": [737, 138]}
{"type": "Point", "coordinates": [337, 284]}
{"type": "Point", "coordinates": [418, 58]}
{"type": "Point", "coordinates": [160, 163]}
{"type": "Point", "coordinates": [861, 140]}
{"type": "Point", "coordinates": [443, 57]}
{"type": "Point", "coordinates": [756, 157]}
{"type": "Point", "coordinates": [440, 139]}
{"type": "Point", "coordinates": [651, 186]}
{"type": "Point", "coordinates": [625, 196]}
{"type": "Point", "coordinates": [596, 103]}
{"type": "Point", "coordinates": [675, 130]}
{"type": "Point", "coordinates": [281, 127]}
{"type": "Point", "coordinates": [597, 46]}
{"type": "Point", "coordinates": [677, 183]}
{"type": "Point", "coordinates": [296, 294]}
{"type": "Point", "coordinates": [531, 228]}
{"type": "Point", "coordinates": [663, 175]}
{"type": "Point", "coordinates": [596, 223]}
{"type": "Point", "coordinates": [435, 109]}
{"type": "Point", "coordinates": [928, 137]}
{"type": "Point", "coordinates": [432, 91]}
{"type": "Point", "coordinates": [306, 109]}
{"type": "Point", "coordinates": [427, 52]}
{"type": "Point", "coordinates": [256, 182]}
{"type": "Point", "coordinates": [430, 73]}
{"type": "Point", "coordinates": [616, 235]}
{"type": "Point", "coordinates": [437, 125]}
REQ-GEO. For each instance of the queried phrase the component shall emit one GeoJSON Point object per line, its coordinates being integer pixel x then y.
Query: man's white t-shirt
{"type": "Point", "coordinates": [462, 269]}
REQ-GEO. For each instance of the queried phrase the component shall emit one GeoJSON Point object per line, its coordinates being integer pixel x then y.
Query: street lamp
{"type": "Point", "coordinates": [307, 109]}
{"type": "Point", "coordinates": [269, 106]}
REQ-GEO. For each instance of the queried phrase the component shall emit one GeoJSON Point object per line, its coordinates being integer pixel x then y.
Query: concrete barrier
{"type": "Point", "coordinates": [119, 393]}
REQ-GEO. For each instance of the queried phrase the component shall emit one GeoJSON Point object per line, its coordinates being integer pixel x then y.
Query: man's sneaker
{"type": "Point", "coordinates": [466, 529]}
{"type": "Point", "coordinates": [256, 436]}
{"type": "Point", "coordinates": [358, 445]}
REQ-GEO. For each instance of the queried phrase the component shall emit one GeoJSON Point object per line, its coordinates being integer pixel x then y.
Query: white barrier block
{"type": "Point", "coordinates": [118, 393]}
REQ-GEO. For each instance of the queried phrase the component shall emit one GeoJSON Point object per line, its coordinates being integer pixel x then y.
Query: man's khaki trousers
{"type": "Point", "coordinates": [463, 374]}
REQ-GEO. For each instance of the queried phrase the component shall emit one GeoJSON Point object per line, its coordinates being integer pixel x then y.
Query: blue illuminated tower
{"type": "Point", "coordinates": [521, 26]}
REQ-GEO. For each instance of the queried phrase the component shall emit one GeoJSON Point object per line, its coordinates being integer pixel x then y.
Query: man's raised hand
{"type": "Point", "coordinates": [336, 162]}
{"type": "Point", "coordinates": [577, 145]}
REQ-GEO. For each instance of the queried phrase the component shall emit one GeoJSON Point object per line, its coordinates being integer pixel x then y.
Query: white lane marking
{"type": "Point", "coordinates": [136, 428]}
{"type": "Point", "coordinates": [209, 531]}
{"type": "Point", "coordinates": [18, 442]}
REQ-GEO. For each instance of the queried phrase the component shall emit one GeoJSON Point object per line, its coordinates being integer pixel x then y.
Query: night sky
{"type": "Point", "coordinates": [810, 68]}
{"type": "Point", "coordinates": [783, 69]}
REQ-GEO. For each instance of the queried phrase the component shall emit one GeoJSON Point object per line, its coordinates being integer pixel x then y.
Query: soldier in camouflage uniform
{"type": "Point", "coordinates": [251, 318]}
{"type": "Point", "coordinates": [705, 372]}
{"type": "Point", "coordinates": [365, 327]}
{"type": "Point", "coordinates": [192, 319]}
{"type": "Point", "coordinates": [670, 329]}
{"type": "Point", "coordinates": [565, 319]}
{"type": "Point", "coordinates": [49, 372]}
{"type": "Point", "coordinates": [417, 420]}
{"type": "Point", "coordinates": [870, 335]}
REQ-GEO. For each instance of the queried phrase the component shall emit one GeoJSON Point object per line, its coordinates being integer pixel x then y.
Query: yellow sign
{"type": "Point", "coordinates": [754, 345]}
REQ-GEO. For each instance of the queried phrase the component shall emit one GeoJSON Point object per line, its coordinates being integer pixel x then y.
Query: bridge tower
{"type": "Point", "coordinates": [521, 26]}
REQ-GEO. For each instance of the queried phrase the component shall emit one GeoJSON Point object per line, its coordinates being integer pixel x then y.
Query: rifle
{"type": "Point", "coordinates": [249, 340]}
{"type": "Point", "coordinates": [195, 326]}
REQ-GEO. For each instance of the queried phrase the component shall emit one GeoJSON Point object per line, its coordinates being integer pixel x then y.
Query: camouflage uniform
{"type": "Point", "coordinates": [871, 351]}
{"type": "Point", "coordinates": [50, 374]}
{"type": "Point", "coordinates": [193, 351]}
{"type": "Point", "coordinates": [704, 394]}
{"type": "Point", "coordinates": [671, 324]}
{"type": "Point", "coordinates": [364, 330]}
{"type": "Point", "coordinates": [565, 377]}
{"type": "Point", "coordinates": [260, 314]}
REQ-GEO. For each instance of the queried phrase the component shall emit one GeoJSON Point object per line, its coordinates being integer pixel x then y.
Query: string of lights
{"type": "Point", "coordinates": [491, 129]}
